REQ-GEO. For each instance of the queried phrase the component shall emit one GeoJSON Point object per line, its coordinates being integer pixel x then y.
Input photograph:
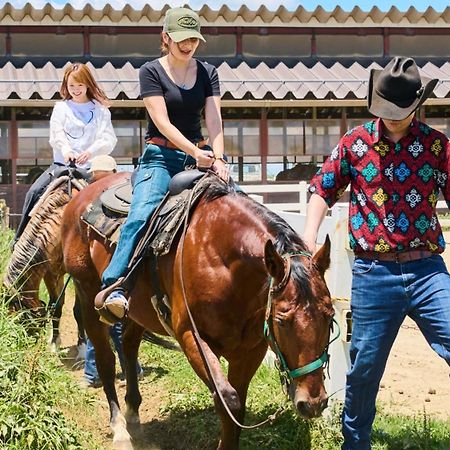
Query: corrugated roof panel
{"type": "Point", "coordinates": [261, 82]}
{"type": "Point", "coordinates": [224, 16]}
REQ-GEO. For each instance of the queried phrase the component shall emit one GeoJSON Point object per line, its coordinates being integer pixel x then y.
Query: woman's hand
{"type": "Point", "coordinates": [84, 157]}
{"type": "Point", "coordinates": [204, 158]}
{"type": "Point", "coordinates": [222, 169]}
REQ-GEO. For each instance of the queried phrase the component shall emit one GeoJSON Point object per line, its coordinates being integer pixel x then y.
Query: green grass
{"type": "Point", "coordinates": [39, 401]}
{"type": "Point", "coordinates": [188, 421]}
{"type": "Point", "coordinates": [42, 408]}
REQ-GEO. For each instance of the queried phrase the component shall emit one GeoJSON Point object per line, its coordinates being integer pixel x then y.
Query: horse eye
{"type": "Point", "coordinates": [279, 321]}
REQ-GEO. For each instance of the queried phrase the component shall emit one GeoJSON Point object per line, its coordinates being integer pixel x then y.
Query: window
{"type": "Point", "coordinates": [222, 45]}
{"type": "Point", "coordinates": [129, 45]}
{"type": "Point", "coordinates": [276, 45]}
{"type": "Point", "coordinates": [129, 143]}
{"type": "Point", "coordinates": [47, 44]}
{"type": "Point", "coordinates": [321, 136]}
{"type": "Point", "coordinates": [5, 155]}
{"type": "Point", "coordinates": [2, 43]}
{"type": "Point", "coordinates": [349, 45]}
{"type": "Point", "coordinates": [242, 146]}
{"type": "Point", "coordinates": [426, 46]}
{"type": "Point", "coordinates": [34, 153]}
{"type": "Point", "coordinates": [286, 137]}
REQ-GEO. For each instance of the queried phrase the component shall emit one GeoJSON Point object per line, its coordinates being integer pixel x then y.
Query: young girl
{"type": "Point", "coordinates": [176, 90]}
{"type": "Point", "coordinates": [80, 128]}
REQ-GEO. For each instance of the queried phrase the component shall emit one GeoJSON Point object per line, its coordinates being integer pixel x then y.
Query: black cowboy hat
{"type": "Point", "coordinates": [398, 90]}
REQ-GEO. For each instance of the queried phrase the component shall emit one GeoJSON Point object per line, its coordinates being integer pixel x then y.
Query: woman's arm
{"type": "Point", "coordinates": [213, 119]}
{"type": "Point", "coordinates": [156, 107]}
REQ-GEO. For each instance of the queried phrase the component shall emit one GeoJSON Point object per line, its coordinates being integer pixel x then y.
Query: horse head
{"type": "Point", "coordinates": [298, 322]}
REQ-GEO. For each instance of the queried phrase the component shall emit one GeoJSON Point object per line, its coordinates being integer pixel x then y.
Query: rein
{"type": "Point", "coordinates": [199, 340]}
{"type": "Point", "coordinates": [283, 368]}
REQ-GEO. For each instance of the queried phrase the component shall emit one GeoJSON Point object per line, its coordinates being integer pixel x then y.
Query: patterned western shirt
{"type": "Point", "coordinates": [394, 187]}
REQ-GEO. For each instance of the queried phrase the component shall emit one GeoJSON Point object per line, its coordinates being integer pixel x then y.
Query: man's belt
{"type": "Point", "coordinates": [163, 142]}
{"type": "Point", "coordinates": [398, 257]}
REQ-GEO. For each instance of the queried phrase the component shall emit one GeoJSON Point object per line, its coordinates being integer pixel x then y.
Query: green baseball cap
{"type": "Point", "coordinates": [181, 24]}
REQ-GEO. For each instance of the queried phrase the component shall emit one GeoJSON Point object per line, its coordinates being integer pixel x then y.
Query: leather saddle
{"type": "Point", "coordinates": [117, 199]}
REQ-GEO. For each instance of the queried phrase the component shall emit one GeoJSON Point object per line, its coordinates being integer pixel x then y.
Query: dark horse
{"type": "Point", "coordinates": [238, 266]}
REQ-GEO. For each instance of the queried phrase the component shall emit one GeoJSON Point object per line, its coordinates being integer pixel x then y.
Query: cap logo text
{"type": "Point", "coordinates": [187, 22]}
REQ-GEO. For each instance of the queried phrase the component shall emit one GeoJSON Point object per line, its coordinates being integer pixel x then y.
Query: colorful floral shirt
{"type": "Point", "coordinates": [394, 187]}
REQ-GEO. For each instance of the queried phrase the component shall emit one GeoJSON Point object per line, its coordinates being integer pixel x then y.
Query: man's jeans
{"type": "Point", "coordinates": [383, 294]}
{"type": "Point", "coordinates": [156, 168]}
{"type": "Point", "coordinates": [90, 366]}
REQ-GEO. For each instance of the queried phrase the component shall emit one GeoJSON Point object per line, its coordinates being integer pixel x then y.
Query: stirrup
{"type": "Point", "coordinates": [99, 303]}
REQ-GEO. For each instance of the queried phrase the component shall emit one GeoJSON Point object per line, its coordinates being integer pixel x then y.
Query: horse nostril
{"type": "Point", "coordinates": [304, 408]}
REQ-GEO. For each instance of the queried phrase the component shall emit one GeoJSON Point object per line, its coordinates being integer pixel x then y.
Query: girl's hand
{"type": "Point", "coordinates": [204, 158]}
{"type": "Point", "coordinates": [69, 157]}
{"type": "Point", "coordinates": [84, 157]}
{"type": "Point", "coordinates": [222, 169]}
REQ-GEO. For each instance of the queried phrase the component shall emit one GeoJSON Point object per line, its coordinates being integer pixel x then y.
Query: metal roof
{"type": "Point", "coordinates": [147, 16]}
{"type": "Point", "coordinates": [240, 83]}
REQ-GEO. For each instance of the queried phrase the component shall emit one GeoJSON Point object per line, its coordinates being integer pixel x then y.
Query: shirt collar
{"type": "Point", "coordinates": [414, 129]}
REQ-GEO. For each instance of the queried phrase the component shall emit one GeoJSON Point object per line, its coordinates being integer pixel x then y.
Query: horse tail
{"type": "Point", "coordinates": [35, 247]}
{"type": "Point", "coordinates": [160, 341]}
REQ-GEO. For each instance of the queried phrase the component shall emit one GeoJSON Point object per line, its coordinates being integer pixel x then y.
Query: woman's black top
{"type": "Point", "coordinates": [184, 106]}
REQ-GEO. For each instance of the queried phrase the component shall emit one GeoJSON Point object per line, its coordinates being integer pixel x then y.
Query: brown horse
{"type": "Point", "coordinates": [37, 256]}
{"type": "Point", "coordinates": [238, 267]}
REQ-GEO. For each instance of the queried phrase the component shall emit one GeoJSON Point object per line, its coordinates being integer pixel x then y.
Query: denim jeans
{"type": "Point", "coordinates": [90, 367]}
{"type": "Point", "coordinates": [156, 168]}
{"type": "Point", "coordinates": [383, 294]}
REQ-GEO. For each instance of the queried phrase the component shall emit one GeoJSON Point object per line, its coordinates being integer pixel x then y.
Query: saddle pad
{"type": "Point", "coordinates": [118, 198]}
{"type": "Point", "coordinates": [171, 216]}
{"type": "Point", "coordinates": [105, 222]}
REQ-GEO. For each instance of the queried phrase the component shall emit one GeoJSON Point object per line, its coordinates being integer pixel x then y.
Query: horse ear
{"type": "Point", "coordinates": [322, 257]}
{"type": "Point", "coordinates": [273, 260]}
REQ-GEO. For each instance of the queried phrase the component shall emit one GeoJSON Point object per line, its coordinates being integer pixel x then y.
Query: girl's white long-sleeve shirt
{"type": "Point", "coordinates": [70, 134]}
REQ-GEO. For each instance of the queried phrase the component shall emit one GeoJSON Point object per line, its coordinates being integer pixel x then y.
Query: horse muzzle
{"type": "Point", "coordinates": [307, 405]}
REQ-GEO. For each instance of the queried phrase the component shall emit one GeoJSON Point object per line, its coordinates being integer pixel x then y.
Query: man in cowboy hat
{"type": "Point", "coordinates": [395, 166]}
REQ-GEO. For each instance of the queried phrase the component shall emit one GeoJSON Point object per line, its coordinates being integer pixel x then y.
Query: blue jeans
{"type": "Point", "coordinates": [90, 367]}
{"type": "Point", "coordinates": [156, 168]}
{"type": "Point", "coordinates": [383, 294]}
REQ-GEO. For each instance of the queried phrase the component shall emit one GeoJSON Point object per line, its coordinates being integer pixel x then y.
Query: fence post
{"type": "Point", "coordinates": [4, 215]}
{"type": "Point", "coordinates": [303, 197]}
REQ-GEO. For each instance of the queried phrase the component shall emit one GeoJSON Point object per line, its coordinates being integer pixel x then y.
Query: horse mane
{"type": "Point", "coordinates": [37, 241]}
{"type": "Point", "coordinates": [286, 239]}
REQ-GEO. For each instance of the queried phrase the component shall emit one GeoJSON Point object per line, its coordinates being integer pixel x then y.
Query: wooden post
{"type": "Point", "coordinates": [4, 215]}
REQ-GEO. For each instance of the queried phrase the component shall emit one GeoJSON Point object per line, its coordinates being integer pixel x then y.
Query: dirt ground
{"type": "Point", "coordinates": [416, 379]}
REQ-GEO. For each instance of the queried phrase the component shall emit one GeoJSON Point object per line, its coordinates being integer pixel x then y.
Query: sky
{"type": "Point", "coordinates": [310, 5]}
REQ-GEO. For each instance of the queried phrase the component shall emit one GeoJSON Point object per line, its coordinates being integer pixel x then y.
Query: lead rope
{"type": "Point", "coordinates": [198, 339]}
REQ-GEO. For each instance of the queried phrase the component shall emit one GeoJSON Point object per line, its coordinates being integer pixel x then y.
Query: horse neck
{"type": "Point", "coordinates": [38, 246]}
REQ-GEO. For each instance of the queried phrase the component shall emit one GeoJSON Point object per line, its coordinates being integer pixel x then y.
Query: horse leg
{"type": "Point", "coordinates": [55, 285]}
{"type": "Point", "coordinates": [98, 333]}
{"type": "Point", "coordinates": [240, 372]}
{"type": "Point", "coordinates": [131, 339]}
{"type": "Point", "coordinates": [229, 440]}
{"type": "Point", "coordinates": [81, 341]}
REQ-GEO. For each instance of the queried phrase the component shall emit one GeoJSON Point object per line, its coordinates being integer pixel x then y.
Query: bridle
{"type": "Point", "coordinates": [286, 373]}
